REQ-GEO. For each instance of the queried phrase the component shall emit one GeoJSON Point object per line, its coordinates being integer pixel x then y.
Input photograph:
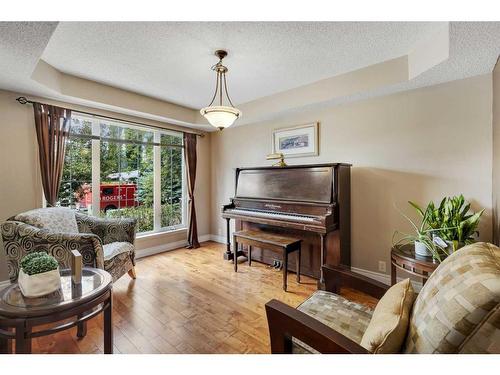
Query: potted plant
{"type": "Point", "coordinates": [39, 275]}
{"type": "Point", "coordinates": [452, 220]}
{"type": "Point", "coordinates": [423, 237]}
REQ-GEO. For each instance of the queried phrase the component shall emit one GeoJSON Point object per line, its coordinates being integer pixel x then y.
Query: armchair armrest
{"type": "Point", "coordinates": [108, 230]}
{"type": "Point", "coordinates": [286, 322]}
{"type": "Point", "coordinates": [339, 276]}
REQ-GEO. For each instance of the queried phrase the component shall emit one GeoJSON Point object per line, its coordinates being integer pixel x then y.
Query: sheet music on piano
{"type": "Point", "coordinates": [310, 201]}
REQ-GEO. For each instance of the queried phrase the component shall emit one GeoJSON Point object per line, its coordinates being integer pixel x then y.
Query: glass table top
{"type": "Point", "coordinates": [68, 292]}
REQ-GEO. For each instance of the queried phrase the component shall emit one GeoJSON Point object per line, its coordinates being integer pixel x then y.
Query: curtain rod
{"type": "Point", "coordinates": [24, 100]}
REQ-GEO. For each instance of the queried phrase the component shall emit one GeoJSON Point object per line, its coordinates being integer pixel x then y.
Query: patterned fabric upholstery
{"type": "Point", "coordinates": [55, 219]}
{"type": "Point", "coordinates": [457, 309]}
{"type": "Point", "coordinates": [346, 317]}
{"type": "Point", "coordinates": [485, 340]}
{"type": "Point", "coordinates": [22, 238]}
{"type": "Point", "coordinates": [108, 230]}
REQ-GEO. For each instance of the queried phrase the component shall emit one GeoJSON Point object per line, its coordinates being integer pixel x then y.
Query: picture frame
{"type": "Point", "coordinates": [296, 141]}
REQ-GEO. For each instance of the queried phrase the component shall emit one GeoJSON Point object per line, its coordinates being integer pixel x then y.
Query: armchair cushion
{"type": "Point", "coordinates": [456, 307]}
{"type": "Point", "coordinates": [115, 248]}
{"type": "Point", "coordinates": [54, 219]}
{"type": "Point", "coordinates": [346, 317]}
{"type": "Point", "coordinates": [108, 230]}
{"type": "Point", "coordinates": [387, 330]}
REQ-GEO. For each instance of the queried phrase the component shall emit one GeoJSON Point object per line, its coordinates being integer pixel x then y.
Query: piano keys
{"type": "Point", "coordinates": [310, 201]}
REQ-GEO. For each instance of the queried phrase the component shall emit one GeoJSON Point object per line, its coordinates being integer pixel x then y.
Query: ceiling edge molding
{"type": "Point", "coordinates": [430, 52]}
{"type": "Point", "coordinates": [94, 94]}
{"type": "Point", "coordinates": [375, 80]}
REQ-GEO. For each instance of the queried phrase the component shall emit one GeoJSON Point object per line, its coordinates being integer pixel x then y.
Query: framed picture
{"type": "Point", "coordinates": [296, 141]}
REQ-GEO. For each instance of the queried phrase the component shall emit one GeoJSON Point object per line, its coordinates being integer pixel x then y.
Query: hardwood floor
{"type": "Point", "coordinates": [189, 301]}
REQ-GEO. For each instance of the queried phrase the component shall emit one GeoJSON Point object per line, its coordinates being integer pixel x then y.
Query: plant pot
{"type": "Point", "coordinates": [40, 284]}
{"type": "Point", "coordinates": [421, 249]}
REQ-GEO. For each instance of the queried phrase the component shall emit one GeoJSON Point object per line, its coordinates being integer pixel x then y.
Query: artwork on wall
{"type": "Point", "coordinates": [296, 141]}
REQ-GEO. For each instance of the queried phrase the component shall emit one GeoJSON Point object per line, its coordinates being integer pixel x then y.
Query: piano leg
{"type": "Point", "coordinates": [321, 282]}
{"type": "Point", "coordinates": [228, 255]}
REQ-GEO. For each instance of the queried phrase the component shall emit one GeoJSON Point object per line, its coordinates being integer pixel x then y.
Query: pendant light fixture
{"type": "Point", "coordinates": [221, 116]}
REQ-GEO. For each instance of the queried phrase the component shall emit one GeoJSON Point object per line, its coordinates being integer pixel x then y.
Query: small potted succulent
{"type": "Point", "coordinates": [39, 275]}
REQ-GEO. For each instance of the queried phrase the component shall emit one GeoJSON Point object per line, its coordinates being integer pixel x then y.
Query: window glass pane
{"type": "Point", "coordinates": [171, 182]}
{"type": "Point", "coordinates": [76, 182]}
{"type": "Point", "coordinates": [80, 126]}
{"type": "Point", "coordinates": [127, 175]}
{"type": "Point", "coordinates": [171, 139]}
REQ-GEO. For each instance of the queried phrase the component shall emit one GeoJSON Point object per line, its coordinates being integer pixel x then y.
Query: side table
{"type": "Point", "coordinates": [20, 316]}
{"type": "Point", "coordinates": [404, 258]}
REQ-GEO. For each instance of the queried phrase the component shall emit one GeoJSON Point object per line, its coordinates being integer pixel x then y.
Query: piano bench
{"type": "Point", "coordinates": [270, 241]}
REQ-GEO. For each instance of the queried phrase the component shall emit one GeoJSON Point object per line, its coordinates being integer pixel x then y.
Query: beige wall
{"type": "Point", "coordinates": [418, 145]}
{"type": "Point", "coordinates": [20, 186]}
{"type": "Point", "coordinates": [496, 153]}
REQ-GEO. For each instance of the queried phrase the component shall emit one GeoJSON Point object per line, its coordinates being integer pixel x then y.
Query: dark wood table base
{"type": "Point", "coordinates": [404, 258]}
{"type": "Point", "coordinates": [23, 330]}
{"type": "Point", "coordinates": [22, 319]}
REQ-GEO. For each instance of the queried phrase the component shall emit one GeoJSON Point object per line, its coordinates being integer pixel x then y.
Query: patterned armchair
{"type": "Point", "coordinates": [457, 311]}
{"type": "Point", "coordinates": [103, 243]}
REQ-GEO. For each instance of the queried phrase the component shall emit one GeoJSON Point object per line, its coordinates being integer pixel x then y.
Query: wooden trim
{"type": "Point", "coordinates": [337, 277]}
{"type": "Point", "coordinates": [286, 322]}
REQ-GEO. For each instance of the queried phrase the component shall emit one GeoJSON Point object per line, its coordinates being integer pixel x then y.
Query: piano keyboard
{"type": "Point", "coordinates": [272, 215]}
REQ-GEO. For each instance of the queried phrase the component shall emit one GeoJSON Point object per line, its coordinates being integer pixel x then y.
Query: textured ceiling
{"type": "Point", "coordinates": [172, 60]}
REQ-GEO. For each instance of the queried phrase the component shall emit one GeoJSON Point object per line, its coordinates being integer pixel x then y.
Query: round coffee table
{"type": "Point", "coordinates": [404, 258]}
{"type": "Point", "coordinates": [71, 305]}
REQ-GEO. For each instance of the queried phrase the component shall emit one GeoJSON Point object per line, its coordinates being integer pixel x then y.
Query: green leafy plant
{"type": "Point", "coordinates": [452, 220]}
{"type": "Point", "coordinates": [39, 262]}
{"type": "Point", "coordinates": [423, 233]}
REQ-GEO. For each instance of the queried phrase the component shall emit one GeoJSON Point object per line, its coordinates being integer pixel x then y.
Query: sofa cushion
{"type": "Point", "coordinates": [54, 219]}
{"type": "Point", "coordinates": [344, 316]}
{"type": "Point", "coordinates": [458, 298]}
{"type": "Point", "coordinates": [387, 330]}
{"type": "Point", "coordinates": [115, 248]}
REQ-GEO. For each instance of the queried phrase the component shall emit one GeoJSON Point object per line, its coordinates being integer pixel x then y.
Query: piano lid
{"type": "Point", "coordinates": [302, 184]}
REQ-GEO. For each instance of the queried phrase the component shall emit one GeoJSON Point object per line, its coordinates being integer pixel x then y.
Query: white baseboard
{"type": "Point", "coordinates": [168, 247]}
{"type": "Point", "coordinates": [216, 238]}
{"type": "Point", "coordinates": [381, 277]}
{"type": "Point", "coordinates": [160, 249]}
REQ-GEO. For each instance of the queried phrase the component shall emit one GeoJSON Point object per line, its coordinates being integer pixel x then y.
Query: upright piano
{"type": "Point", "coordinates": [312, 202]}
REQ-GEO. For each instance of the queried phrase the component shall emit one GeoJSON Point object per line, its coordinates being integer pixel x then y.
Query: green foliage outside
{"type": "Point", "coordinates": [170, 215]}
{"type": "Point", "coordinates": [40, 262]}
{"type": "Point", "coordinates": [119, 154]}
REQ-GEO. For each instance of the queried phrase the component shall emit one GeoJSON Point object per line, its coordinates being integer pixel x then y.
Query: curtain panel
{"type": "Point", "coordinates": [52, 130]}
{"type": "Point", "coordinates": [190, 157]}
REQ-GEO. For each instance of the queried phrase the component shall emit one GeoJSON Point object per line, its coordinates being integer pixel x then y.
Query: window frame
{"type": "Point", "coordinates": [96, 139]}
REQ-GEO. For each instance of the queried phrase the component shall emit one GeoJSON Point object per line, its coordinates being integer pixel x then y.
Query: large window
{"type": "Point", "coordinates": [116, 169]}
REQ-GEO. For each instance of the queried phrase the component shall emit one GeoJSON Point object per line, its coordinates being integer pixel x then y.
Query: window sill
{"type": "Point", "coordinates": [161, 233]}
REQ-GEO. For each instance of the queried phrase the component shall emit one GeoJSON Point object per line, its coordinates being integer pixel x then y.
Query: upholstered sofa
{"type": "Point", "coordinates": [456, 311]}
{"type": "Point", "coordinates": [103, 243]}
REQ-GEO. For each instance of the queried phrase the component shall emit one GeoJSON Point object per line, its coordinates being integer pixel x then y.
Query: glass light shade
{"type": "Point", "coordinates": [220, 116]}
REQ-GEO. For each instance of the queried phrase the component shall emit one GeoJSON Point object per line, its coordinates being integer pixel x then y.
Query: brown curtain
{"type": "Point", "coordinates": [52, 129]}
{"type": "Point", "coordinates": [190, 156]}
